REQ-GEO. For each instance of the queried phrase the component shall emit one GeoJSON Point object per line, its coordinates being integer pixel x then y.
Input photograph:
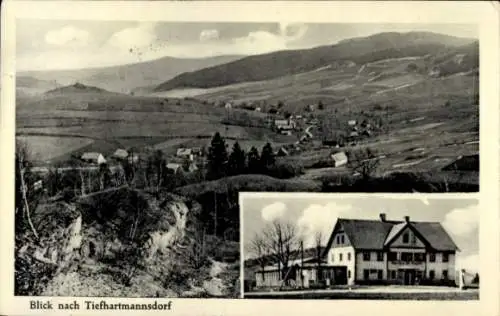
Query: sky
{"type": "Point", "coordinates": [59, 44]}
{"type": "Point", "coordinates": [459, 217]}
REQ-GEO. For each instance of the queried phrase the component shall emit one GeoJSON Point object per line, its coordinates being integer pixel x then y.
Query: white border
{"type": "Point", "coordinates": [483, 13]}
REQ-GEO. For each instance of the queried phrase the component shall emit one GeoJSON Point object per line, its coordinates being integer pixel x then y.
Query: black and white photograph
{"type": "Point", "coordinates": [329, 247]}
{"type": "Point", "coordinates": [134, 138]}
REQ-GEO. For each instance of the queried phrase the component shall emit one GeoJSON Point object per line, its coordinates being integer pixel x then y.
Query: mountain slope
{"type": "Point", "coordinates": [125, 78]}
{"type": "Point", "coordinates": [282, 63]}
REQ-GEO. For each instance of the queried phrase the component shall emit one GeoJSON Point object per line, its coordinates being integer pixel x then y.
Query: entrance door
{"type": "Point", "coordinates": [340, 275]}
{"type": "Point", "coordinates": [409, 277]}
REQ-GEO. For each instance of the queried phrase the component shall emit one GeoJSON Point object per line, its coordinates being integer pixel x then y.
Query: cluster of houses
{"type": "Point", "coordinates": [184, 159]}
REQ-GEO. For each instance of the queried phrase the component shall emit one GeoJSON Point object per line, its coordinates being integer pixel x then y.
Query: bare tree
{"type": "Point", "coordinates": [23, 210]}
{"type": "Point", "coordinates": [259, 248]}
{"type": "Point", "coordinates": [282, 241]}
{"type": "Point", "coordinates": [365, 162]}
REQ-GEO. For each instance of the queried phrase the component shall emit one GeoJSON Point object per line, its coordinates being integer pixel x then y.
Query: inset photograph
{"type": "Point", "coordinates": [310, 246]}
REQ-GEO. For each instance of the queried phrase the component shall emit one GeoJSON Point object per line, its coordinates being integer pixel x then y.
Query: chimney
{"type": "Point", "coordinates": [407, 219]}
{"type": "Point", "coordinates": [383, 217]}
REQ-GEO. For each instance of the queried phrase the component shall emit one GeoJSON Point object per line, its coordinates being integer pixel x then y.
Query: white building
{"type": "Point", "coordinates": [93, 157]}
{"type": "Point", "coordinates": [339, 159]}
{"type": "Point", "coordinates": [398, 252]}
{"type": "Point", "coordinates": [373, 252]}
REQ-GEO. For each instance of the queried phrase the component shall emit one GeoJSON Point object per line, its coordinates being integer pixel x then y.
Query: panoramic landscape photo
{"type": "Point", "coordinates": [133, 139]}
{"type": "Point", "coordinates": [310, 246]}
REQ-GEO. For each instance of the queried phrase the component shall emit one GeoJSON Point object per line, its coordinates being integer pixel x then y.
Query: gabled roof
{"type": "Point", "coordinates": [339, 157]}
{"type": "Point", "coordinates": [184, 151]}
{"type": "Point", "coordinates": [120, 153]}
{"type": "Point", "coordinates": [91, 155]}
{"type": "Point", "coordinates": [173, 166]}
{"type": "Point", "coordinates": [375, 234]}
{"type": "Point", "coordinates": [396, 229]}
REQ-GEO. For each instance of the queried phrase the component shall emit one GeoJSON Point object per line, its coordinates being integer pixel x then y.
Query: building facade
{"type": "Point", "coordinates": [392, 252]}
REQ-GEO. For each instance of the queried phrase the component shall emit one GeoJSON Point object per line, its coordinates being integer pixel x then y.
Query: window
{"type": "Point", "coordinates": [393, 274]}
{"type": "Point", "coordinates": [413, 239]}
{"type": "Point", "coordinates": [392, 256]}
{"type": "Point", "coordinates": [348, 256]}
{"type": "Point", "coordinates": [366, 274]}
{"type": "Point", "coordinates": [337, 238]}
{"type": "Point", "coordinates": [340, 257]}
{"type": "Point", "coordinates": [366, 256]}
{"type": "Point", "coordinates": [380, 256]}
{"type": "Point", "coordinates": [445, 274]}
{"type": "Point", "coordinates": [419, 257]}
{"type": "Point", "coordinates": [432, 257]}
{"type": "Point", "coordinates": [348, 274]}
{"type": "Point", "coordinates": [342, 239]}
{"type": "Point", "coordinates": [446, 257]}
{"type": "Point", "coordinates": [432, 274]}
{"type": "Point", "coordinates": [406, 256]}
{"type": "Point", "coordinates": [406, 238]}
{"type": "Point", "coordinates": [380, 274]}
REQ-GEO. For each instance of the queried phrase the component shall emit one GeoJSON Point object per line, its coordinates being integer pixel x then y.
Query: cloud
{"type": "Point", "coordinates": [141, 43]}
{"type": "Point", "coordinates": [68, 36]}
{"type": "Point", "coordinates": [273, 211]}
{"type": "Point", "coordinates": [320, 218]}
{"type": "Point", "coordinates": [207, 35]}
{"type": "Point", "coordinates": [463, 221]}
{"type": "Point", "coordinates": [138, 37]}
{"type": "Point", "coordinates": [470, 263]}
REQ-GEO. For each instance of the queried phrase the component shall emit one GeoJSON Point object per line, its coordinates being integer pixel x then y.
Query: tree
{"type": "Point", "coordinates": [321, 106]}
{"type": "Point", "coordinates": [26, 198]}
{"type": "Point", "coordinates": [253, 161]}
{"type": "Point", "coordinates": [365, 162]}
{"type": "Point", "coordinates": [267, 158]}
{"type": "Point", "coordinates": [282, 241]}
{"type": "Point", "coordinates": [104, 176]}
{"type": "Point", "coordinates": [217, 158]}
{"type": "Point", "coordinates": [237, 160]}
{"type": "Point", "coordinates": [280, 104]}
{"type": "Point", "coordinates": [259, 248]}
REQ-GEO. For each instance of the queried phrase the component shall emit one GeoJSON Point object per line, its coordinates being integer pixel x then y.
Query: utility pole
{"type": "Point", "coordinates": [302, 262]}
{"type": "Point", "coordinates": [215, 213]}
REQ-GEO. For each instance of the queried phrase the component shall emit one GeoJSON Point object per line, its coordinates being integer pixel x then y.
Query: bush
{"type": "Point", "coordinates": [286, 170]}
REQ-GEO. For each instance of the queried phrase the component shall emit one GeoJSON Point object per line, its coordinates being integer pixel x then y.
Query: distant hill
{"type": "Point", "coordinates": [277, 64]}
{"type": "Point", "coordinates": [125, 78]}
{"type": "Point", "coordinates": [76, 88]}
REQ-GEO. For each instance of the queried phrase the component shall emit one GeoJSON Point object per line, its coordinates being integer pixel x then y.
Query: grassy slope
{"type": "Point", "coordinates": [277, 64]}
{"type": "Point", "coordinates": [249, 183]}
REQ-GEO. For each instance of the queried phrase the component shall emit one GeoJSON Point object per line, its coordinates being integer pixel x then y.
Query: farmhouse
{"type": "Point", "coordinates": [174, 167]}
{"type": "Point", "coordinates": [185, 153]}
{"type": "Point", "coordinates": [93, 157]}
{"type": "Point", "coordinates": [339, 159]}
{"type": "Point", "coordinates": [374, 252]}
